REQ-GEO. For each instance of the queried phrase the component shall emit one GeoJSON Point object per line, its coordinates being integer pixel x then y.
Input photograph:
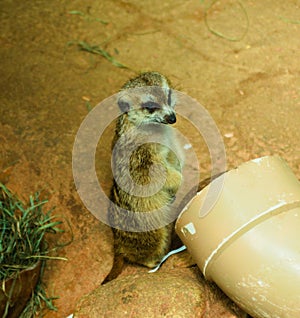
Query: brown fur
{"type": "Point", "coordinates": [144, 248]}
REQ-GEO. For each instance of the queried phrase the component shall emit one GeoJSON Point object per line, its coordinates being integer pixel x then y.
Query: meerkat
{"type": "Point", "coordinates": [152, 103]}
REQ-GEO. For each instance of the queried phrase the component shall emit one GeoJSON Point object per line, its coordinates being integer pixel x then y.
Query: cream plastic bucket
{"type": "Point", "coordinates": [247, 239]}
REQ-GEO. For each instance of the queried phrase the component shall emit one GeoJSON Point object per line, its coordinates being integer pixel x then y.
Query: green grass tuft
{"type": "Point", "coordinates": [22, 231]}
{"type": "Point", "coordinates": [22, 242]}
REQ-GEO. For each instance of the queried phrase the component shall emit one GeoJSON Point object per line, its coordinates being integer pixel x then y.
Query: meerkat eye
{"type": "Point", "coordinates": [151, 106]}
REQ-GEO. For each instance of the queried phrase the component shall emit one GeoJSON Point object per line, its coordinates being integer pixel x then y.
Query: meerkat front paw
{"type": "Point", "coordinates": [173, 181]}
{"type": "Point", "coordinates": [174, 161]}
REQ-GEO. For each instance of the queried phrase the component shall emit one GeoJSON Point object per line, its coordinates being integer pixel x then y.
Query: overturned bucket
{"type": "Point", "coordinates": [243, 230]}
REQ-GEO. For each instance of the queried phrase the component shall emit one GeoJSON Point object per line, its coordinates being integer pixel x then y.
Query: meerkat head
{"type": "Point", "coordinates": [148, 99]}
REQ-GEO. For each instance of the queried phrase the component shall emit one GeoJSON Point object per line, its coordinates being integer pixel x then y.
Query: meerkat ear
{"type": "Point", "coordinates": [124, 104]}
{"type": "Point", "coordinates": [172, 98]}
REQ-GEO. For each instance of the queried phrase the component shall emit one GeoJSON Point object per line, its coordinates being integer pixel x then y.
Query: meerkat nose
{"type": "Point", "coordinates": [170, 118]}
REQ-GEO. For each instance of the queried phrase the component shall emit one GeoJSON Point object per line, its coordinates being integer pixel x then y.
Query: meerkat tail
{"type": "Point", "coordinates": [116, 269]}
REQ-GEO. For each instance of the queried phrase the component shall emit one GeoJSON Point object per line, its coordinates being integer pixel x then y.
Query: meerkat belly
{"type": "Point", "coordinates": [144, 213]}
{"type": "Point", "coordinates": [145, 248]}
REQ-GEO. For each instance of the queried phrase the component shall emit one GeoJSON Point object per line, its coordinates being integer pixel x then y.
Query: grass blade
{"type": "Point", "coordinates": [98, 50]}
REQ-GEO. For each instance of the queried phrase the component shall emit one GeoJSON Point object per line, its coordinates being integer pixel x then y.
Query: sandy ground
{"type": "Point", "coordinates": [250, 87]}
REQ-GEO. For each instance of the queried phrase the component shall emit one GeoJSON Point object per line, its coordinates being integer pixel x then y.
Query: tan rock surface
{"type": "Point", "coordinates": [176, 293]}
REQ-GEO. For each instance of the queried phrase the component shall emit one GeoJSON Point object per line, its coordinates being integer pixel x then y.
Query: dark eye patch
{"type": "Point", "coordinates": [151, 106]}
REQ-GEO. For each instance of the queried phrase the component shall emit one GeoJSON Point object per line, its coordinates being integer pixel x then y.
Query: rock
{"type": "Point", "coordinates": [90, 257]}
{"type": "Point", "coordinates": [178, 293]}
